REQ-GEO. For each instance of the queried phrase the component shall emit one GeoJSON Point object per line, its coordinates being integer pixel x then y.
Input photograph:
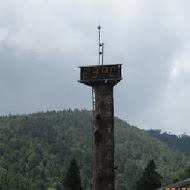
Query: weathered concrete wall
{"type": "Point", "coordinates": [103, 138]}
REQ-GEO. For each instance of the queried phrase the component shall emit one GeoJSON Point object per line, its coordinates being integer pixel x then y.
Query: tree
{"type": "Point", "coordinates": [150, 179]}
{"type": "Point", "coordinates": [72, 178]}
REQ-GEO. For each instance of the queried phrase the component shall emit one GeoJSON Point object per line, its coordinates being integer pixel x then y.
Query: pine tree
{"type": "Point", "coordinates": [72, 178]}
{"type": "Point", "coordinates": [150, 179]}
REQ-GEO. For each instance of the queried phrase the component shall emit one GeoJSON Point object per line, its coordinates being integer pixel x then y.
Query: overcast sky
{"type": "Point", "coordinates": [42, 43]}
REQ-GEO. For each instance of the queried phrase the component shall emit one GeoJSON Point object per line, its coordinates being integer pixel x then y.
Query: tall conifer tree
{"type": "Point", "coordinates": [150, 179]}
{"type": "Point", "coordinates": [72, 178]}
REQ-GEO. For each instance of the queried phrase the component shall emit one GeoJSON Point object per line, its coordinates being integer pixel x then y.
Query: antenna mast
{"type": "Point", "coordinates": [101, 48]}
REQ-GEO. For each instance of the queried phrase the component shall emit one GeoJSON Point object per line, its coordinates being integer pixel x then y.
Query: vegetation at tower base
{"type": "Point", "coordinates": [36, 149]}
{"type": "Point", "coordinates": [150, 179]}
{"type": "Point", "coordinates": [72, 179]}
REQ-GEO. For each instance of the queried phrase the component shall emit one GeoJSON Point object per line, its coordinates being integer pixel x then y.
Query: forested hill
{"type": "Point", "coordinates": [181, 143]}
{"type": "Point", "coordinates": [35, 151]}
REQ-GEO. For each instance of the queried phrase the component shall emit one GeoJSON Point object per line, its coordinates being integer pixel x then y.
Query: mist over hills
{"type": "Point", "coordinates": [38, 147]}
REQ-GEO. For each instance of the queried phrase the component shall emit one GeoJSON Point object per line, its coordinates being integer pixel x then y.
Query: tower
{"type": "Point", "coordinates": [102, 79]}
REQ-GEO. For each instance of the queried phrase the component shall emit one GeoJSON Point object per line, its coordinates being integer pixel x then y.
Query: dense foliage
{"type": "Point", "coordinates": [183, 175]}
{"type": "Point", "coordinates": [181, 143]}
{"type": "Point", "coordinates": [150, 179]}
{"type": "Point", "coordinates": [36, 149]}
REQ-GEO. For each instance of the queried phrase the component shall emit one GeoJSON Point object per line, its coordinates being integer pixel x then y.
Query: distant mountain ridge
{"type": "Point", "coordinates": [181, 143]}
{"type": "Point", "coordinates": [38, 147]}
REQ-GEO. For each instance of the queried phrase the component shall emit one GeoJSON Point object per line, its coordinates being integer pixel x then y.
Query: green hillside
{"type": "Point", "coordinates": [35, 151]}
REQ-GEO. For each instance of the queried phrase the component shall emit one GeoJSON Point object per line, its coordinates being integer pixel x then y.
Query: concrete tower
{"type": "Point", "coordinates": [102, 79]}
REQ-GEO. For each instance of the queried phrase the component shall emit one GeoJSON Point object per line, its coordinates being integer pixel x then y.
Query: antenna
{"type": "Point", "coordinates": [101, 47]}
{"type": "Point", "coordinates": [102, 53]}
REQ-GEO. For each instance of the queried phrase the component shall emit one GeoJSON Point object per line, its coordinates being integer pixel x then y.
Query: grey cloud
{"type": "Point", "coordinates": [46, 42]}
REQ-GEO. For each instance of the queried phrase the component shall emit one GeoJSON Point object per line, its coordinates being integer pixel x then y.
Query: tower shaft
{"type": "Point", "coordinates": [103, 138]}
